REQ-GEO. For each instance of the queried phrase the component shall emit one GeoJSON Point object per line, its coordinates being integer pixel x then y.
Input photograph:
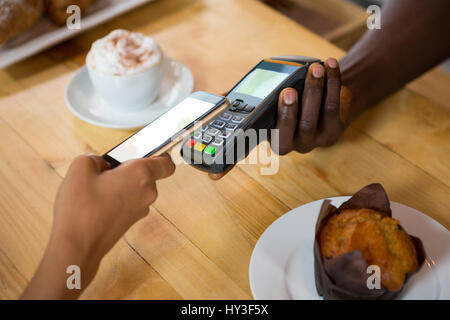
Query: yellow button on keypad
{"type": "Point", "coordinates": [199, 146]}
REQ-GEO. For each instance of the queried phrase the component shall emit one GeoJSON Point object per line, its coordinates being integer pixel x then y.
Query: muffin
{"type": "Point", "coordinates": [359, 234]}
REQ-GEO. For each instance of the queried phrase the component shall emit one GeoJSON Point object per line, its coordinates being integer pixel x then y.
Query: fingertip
{"type": "Point", "coordinates": [164, 155]}
{"type": "Point", "coordinates": [218, 176]}
{"type": "Point", "coordinates": [285, 152]}
{"type": "Point", "coordinates": [215, 176]}
{"type": "Point", "coordinates": [317, 70]}
{"type": "Point", "coordinates": [172, 167]}
{"type": "Point", "coordinates": [289, 96]}
{"type": "Point", "coordinates": [287, 108]}
{"type": "Point", "coordinates": [168, 163]}
{"type": "Point", "coordinates": [332, 63]}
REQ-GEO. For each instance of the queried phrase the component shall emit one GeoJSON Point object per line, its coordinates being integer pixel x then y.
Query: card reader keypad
{"type": "Point", "coordinates": [218, 124]}
{"type": "Point", "coordinates": [211, 137]}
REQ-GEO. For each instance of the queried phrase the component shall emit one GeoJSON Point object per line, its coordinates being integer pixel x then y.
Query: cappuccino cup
{"type": "Point", "coordinates": [126, 69]}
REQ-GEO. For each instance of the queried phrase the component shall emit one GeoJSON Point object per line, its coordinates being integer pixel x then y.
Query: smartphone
{"type": "Point", "coordinates": [165, 130]}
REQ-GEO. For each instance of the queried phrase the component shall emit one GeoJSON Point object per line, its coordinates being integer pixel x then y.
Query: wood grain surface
{"type": "Point", "coordinates": [197, 241]}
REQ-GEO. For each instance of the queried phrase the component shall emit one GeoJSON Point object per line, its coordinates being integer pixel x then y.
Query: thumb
{"type": "Point", "coordinates": [346, 99]}
{"type": "Point", "coordinates": [100, 164]}
{"type": "Point", "coordinates": [287, 119]}
{"type": "Point", "coordinates": [87, 165]}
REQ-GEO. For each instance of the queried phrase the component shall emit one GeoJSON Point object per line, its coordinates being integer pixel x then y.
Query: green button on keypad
{"type": "Point", "coordinates": [210, 150]}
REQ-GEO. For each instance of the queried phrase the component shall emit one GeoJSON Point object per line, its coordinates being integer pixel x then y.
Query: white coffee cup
{"type": "Point", "coordinates": [127, 92]}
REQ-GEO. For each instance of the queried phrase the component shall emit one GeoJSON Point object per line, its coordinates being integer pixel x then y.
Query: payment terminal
{"type": "Point", "coordinates": [252, 105]}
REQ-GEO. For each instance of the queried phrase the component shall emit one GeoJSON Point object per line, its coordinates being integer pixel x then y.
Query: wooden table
{"type": "Point", "coordinates": [197, 245]}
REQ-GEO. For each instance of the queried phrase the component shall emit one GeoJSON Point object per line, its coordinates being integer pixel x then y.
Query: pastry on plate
{"type": "Point", "coordinates": [358, 234]}
{"type": "Point", "coordinates": [57, 9]}
{"type": "Point", "coordinates": [18, 15]}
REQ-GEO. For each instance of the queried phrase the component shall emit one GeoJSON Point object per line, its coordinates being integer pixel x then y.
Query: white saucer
{"type": "Point", "coordinates": [282, 262]}
{"type": "Point", "coordinates": [87, 105]}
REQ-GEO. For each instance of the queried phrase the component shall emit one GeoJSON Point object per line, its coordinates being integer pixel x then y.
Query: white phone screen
{"type": "Point", "coordinates": [161, 130]}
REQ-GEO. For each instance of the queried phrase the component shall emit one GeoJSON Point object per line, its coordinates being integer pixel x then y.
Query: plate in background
{"type": "Point", "coordinates": [86, 104]}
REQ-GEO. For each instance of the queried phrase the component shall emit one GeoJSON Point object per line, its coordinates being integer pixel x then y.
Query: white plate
{"type": "Point", "coordinates": [45, 33]}
{"type": "Point", "coordinates": [282, 263]}
{"type": "Point", "coordinates": [87, 105]}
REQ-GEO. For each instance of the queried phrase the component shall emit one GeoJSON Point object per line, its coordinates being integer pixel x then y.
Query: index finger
{"type": "Point", "coordinates": [160, 167]}
{"type": "Point", "coordinates": [287, 119]}
{"type": "Point", "coordinates": [147, 170]}
{"type": "Point", "coordinates": [331, 124]}
{"type": "Point", "coordinates": [311, 104]}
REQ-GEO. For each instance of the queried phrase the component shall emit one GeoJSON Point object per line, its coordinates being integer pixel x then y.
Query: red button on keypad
{"type": "Point", "coordinates": [190, 143]}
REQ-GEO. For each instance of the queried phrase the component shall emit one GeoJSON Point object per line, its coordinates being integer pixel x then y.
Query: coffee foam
{"type": "Point", "coordinates": [123, 53]}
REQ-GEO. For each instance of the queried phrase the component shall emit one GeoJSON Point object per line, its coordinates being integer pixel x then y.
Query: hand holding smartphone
{"type": "Point", "coordinates": [164, 132]}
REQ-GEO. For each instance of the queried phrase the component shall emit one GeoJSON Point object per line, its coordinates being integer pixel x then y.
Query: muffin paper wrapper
{"type": "Point", "coordinates": [345, 277]}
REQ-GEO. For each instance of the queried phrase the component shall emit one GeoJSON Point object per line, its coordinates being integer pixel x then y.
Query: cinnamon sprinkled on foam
{"type": "Point", "coordinates": [123, 53]}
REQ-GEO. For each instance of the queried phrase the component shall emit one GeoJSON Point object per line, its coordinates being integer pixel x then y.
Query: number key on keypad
{"type": "Point", "coordinates": [241, 107]}
{"type": "Point", "coordinates": [207, 138]}
{"type": "Point", "coordinates": [231, 126]}
{"type": "Point", "coordinates": [218, 124]}
{"type": "Point", "coordinates": [226, 116]}
{"type": "Point", "coordinates": [197, 134]}
{"type": "Point", "coordinates": [213, 131]}
{"type": "Point", "coordinates": [237, 119]}
{"type": "Point", "coordinates": [225, 134]}
{"type": "Point", "coordinates": [217, 141]}
{"type": "Point", "coordinates": [249, 108]}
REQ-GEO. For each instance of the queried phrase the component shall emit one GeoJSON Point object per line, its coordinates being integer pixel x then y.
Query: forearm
{"type": "Point", "coordinates": [50, 279]}
{"type": "Point", "coordinates": [413, 38]}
